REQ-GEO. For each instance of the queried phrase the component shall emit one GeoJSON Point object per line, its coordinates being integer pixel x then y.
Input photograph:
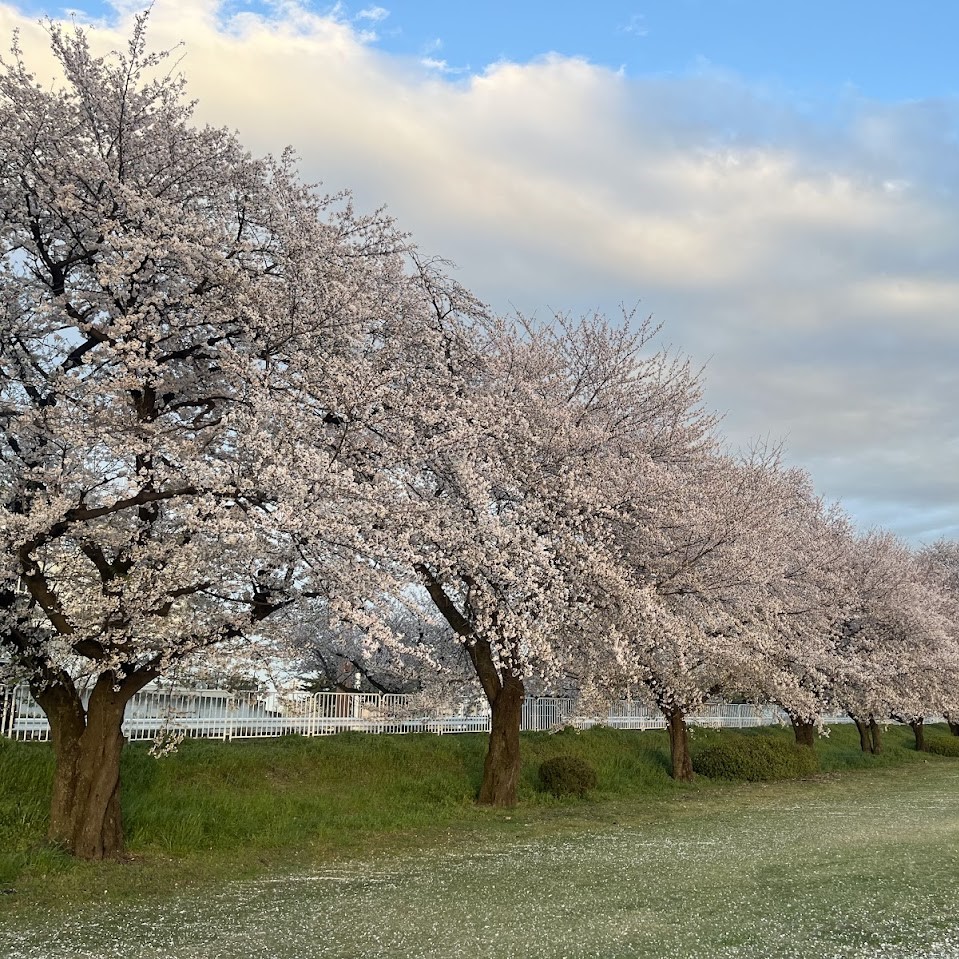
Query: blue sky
{"type": "Point", "coordinates": [776, 182]}
{"type": "Point", "coordinates": [812, 48]}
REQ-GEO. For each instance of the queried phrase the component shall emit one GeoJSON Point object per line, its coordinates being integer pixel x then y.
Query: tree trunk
{"type": "Point", "coordinates": [85, 814]}
{"type": "Point", "coordinates": [919, 731]}
{"type": "Point", "coordinates": [502, 765]}
{"type": "Point", "coordinates": [682, 762]}
{"type": "Point", "coordinates": [870, 734]}
{"type": "Point", "coordinates": [953, 724]}
{"type": "Point", "coordinates": [805, 731]}
{"type": "Point", "coordinates": [504, 692]}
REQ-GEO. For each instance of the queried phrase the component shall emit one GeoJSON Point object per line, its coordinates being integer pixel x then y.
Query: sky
{"type": "Point", "coordinates": [776, 183]}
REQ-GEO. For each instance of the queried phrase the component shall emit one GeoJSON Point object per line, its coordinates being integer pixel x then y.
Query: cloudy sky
{"type": "Point", "coordinates": [777, 183]}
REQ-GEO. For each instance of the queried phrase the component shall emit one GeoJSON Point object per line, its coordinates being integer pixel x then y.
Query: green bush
{"type": "Point", "coordinates": [943, 745]}
{"type": "Point", "coordinates": [567, 776]}
{"type": "Point", "coordinates": [754, 759]}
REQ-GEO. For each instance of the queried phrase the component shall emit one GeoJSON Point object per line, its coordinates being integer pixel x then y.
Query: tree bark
{"type": "Point", "coordinates": [501, 767]}
{"type": "Point", "coordinates": [953, 724]}
{"type": "Point", "coordinates": [504, 693]}
{"type": "Point", "coordinates": [85, 816]}
{"type": "Point", "coordinates": [681, 761]}
{"type": "Point", "coordinates": [804, 730]}
{"type": "Point", "coordinates": [919, 731]}
{"type": "Point", "coordinates": [870, 734]}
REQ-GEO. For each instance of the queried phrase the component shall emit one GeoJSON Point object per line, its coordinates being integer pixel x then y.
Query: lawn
{"type": "Point", "coordinates": [857, 863]}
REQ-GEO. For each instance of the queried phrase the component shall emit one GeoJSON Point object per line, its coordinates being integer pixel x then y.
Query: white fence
{"type": "Point", "coordinates": [220, 714]}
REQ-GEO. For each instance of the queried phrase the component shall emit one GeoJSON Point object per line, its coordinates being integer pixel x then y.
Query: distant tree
{"type": "Point", "coordinates": [896, 650]}
{"type": "Point", "coordinates": [938, 567]}
{"type": "Point", "coordinates": [705, 552]}
{"type": "Point", "coordinates": [421, 657]}
{"type": "Point", "coordinates": [807, 595]}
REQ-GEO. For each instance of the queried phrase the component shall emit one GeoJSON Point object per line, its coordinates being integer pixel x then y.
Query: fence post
{"type": "Point", "coordinates": [228, 719]}
{"type": "Point", "coordinates": [7, 692]}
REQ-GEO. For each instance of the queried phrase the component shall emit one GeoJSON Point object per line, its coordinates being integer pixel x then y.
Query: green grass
{"type": "Point", "coordinates": [857, 865]}
{"type": "Point", "coordinates": [216, 810]}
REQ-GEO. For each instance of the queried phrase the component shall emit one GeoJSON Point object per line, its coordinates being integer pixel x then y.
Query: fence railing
{"type": "Point", "coordinates": [221, 714]}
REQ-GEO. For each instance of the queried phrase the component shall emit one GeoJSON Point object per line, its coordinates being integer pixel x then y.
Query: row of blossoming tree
{"type": "Point", "coordinates": [231, 406]}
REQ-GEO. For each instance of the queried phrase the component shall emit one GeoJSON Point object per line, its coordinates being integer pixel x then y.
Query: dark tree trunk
{"type": "Point", "coordinates": [804, 730]}
{"type": "Point", "coordinates": [870, 734]}
{"type": "Point", "coordinates": [504, 692]}
{"type": "Point", "coordinates": [681, 763]}
{"type": "Point", "coordinates": [502, 765]}
{"type": "Point", "coordinates": [85, 805]}
{"type": "Point", "coordinates": [953, 724]}
{"type": "Point", "coordinates": [919, 731]}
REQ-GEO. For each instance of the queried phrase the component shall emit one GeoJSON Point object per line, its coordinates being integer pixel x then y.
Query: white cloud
{"type": "Point", "coordinates": [635, 26]}
{"type": "Point", "coordinates": [375, 14]}
{"type": "Point", "coordinates": [813, 263]}
{"type": "Point", "coordinates": [441, 66]}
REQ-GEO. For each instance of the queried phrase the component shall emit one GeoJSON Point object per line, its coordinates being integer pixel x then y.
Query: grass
{"type": "Point", "coordinates": [249, 805]}
{"type": "Point", "coordinates": [849, 866]}
{"type": "Point", "coordinates": [371, 810]}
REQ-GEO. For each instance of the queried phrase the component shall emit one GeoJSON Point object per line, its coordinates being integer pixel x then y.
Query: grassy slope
{"type": "Point", "coordinates": [243, 809]}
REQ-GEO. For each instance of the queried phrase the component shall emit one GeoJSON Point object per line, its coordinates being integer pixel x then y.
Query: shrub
{"type": "Point", "coordinates": [943, 745]}
{"type": "Point", "coordinates": [567, 776]}
{"type": "Point", "coordinates": [754, 759]}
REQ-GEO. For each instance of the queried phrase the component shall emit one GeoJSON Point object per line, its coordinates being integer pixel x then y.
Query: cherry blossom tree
{"type": "Point", "coordinates": [704, 545]}
{"type": "Point", "coordinates": [939, 569]}
{"type": "Point", "coordinates": [805, 597]}
{"type": "Point", "coordinates": [867, 634]}
{"type": "Point", "coordinates": [212, 385]}
{"type": "Point", "coordinates": [422, 660]}
{"type": "Point", "coordinates": [516, 560]}
{"type": "Point", "coordinates": [896, 643]}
